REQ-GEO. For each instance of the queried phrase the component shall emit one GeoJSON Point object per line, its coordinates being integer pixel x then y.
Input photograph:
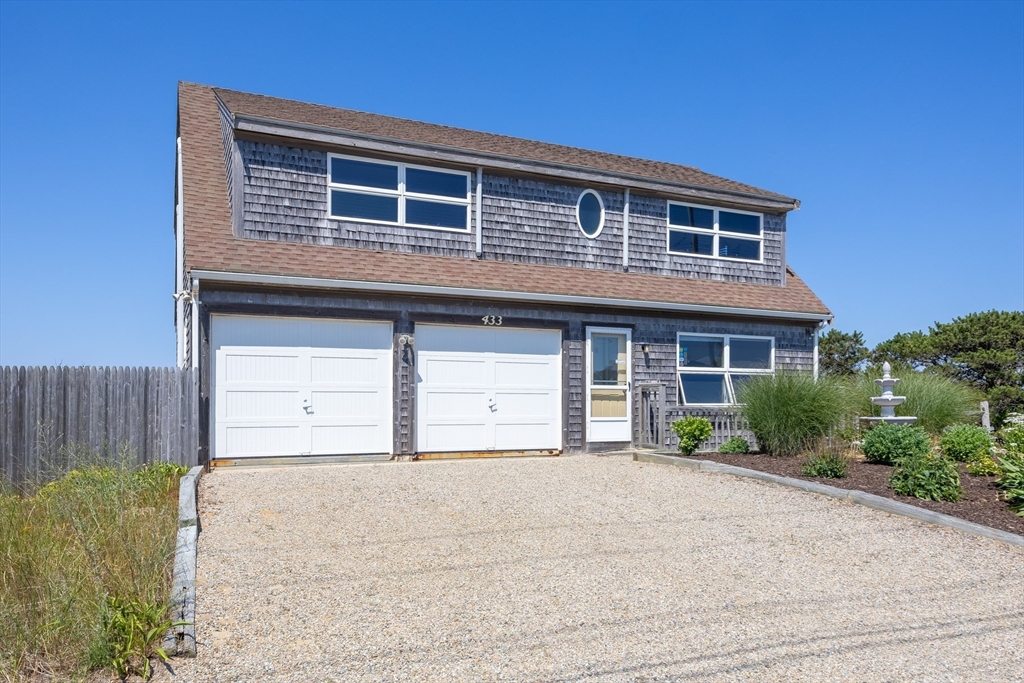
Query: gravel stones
{"type": "Point", "coordinates": [584, 568]}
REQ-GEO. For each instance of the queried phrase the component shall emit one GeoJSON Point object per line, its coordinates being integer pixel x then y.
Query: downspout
{"type": "Point", "coordinates": [179, 260]}
{"type": "Point", "coordinates": [625, 230]}
{"type": "Point", "coordinates": [817, 330]}
{"type": "Point", "coordinates": [479, 211]}
{"type": "Point", "coordinates": [195, 323]}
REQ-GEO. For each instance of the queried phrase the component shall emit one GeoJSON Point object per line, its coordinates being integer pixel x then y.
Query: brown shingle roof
{"type": "Point", "coordinates": [394, 128]}
{"type": "Point", "coordinates": [210, 245]}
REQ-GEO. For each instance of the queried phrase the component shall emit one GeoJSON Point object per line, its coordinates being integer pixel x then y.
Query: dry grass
{"type": "Point", "coordinates": [70, 547]}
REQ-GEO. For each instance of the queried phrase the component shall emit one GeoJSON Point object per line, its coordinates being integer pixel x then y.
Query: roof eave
{"type": "Point", "coordinates": [344, 138]}
{"type": "Point", "coordinates": [237, 278]}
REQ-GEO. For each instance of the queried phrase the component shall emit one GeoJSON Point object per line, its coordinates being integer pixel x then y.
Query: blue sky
{"type": "Point", "coordinates": [899, 126]}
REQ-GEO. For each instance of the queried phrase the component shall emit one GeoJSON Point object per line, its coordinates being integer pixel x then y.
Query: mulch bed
{"type": "Point", "coordinates": [981, 502]}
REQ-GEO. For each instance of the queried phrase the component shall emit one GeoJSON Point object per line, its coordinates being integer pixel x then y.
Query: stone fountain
{"type": "Point", "coordinates": [887, 401]}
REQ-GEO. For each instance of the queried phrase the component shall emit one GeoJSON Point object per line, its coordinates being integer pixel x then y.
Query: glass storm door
{"type": "Point", "coordinates": [608, 387]}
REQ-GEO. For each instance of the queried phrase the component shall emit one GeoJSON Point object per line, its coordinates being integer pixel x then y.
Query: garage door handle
{"type": "Point", "coordinates": [308, 409]}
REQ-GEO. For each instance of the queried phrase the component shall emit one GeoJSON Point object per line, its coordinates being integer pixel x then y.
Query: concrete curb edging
{"type": "Point", "coordinates": [181, 640]}
{"type": "Point", "coordinates": [861, 498]}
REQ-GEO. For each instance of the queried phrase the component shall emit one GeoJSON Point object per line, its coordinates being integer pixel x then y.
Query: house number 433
{"type": "Point", "coordinates": [491, 320]}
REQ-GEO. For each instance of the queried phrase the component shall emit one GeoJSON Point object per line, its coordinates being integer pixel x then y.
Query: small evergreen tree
{"type": "Point", "coordinates": [840, 354]}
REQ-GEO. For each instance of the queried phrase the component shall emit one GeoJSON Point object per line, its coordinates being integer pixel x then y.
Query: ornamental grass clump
{"type": "Point", "coordinates": [787, 412]}
{"type": "Point", "coordinates": [692, 432]}
{"type": "Point", "coordinates": [887, 444]}
{"type": "Point", "coordinates": [79, 553]}
{"type": "Point", "coordinates": [965, 443]}
{"type": "Point", "coordinates": [735, 445]}
{"type": "Point", "coordinates": [830, 465]}
{"type": "Point", "coordinates": [928, 477]}
{"type": "Point", "coordinates": [937, 402]}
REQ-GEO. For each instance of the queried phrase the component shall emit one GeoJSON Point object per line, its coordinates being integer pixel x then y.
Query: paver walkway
{"type": "Point", "coordinates": [585, 568]}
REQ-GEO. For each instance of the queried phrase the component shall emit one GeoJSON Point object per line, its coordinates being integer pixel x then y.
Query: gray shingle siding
{"type": "Point", "coordinates": [525, 220]}
{"type": "Point", "coordinates": [794, 344]}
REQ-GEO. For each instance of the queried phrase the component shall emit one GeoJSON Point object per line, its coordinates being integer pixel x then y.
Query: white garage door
{"type": "Point", "coordinates": [299, 386]}
{"type": "Point", "coordinates": [487, 388]}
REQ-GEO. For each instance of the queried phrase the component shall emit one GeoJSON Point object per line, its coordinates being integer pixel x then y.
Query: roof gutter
{"type": "Point", "coordinates": [260, 124]}
{"type": "Point", "coordinates": [534, 297]}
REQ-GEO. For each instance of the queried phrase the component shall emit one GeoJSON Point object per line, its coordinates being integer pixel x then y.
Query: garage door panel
{"type": "Point", "coordinates": [263, 332]}
{"type": "Point", "coordinates": [330, 439]}
{"type": "Point", "coordinates": [247, 405]}
{"type": "Point", "coordinates": [527, 342]}
{"type": "Point", "coordinates": [332, 334]}
{"type": "Point", "coordinates": [345, 370]}
{"type": "Point", "coordinates": [254, 440]}
{"type": "Point", "coordinates": [519, 436]}
{"type": "Point", "coordinates": [455, 372]}
{"type": "Point", "coordinates": [455, 404]}
{"type": "Point", "coordinates": [456, 437]}
{"type": "Point", "coordinates": [239, 367]}
{"type": "Point", "coordinates": [487, 389]}
{"type": "Point", "coordinates": [454, 340]}
{"type": "Point", "coordinates": [276, 368]}
{"type": "Point", "coordinates": [523, 404]}
{"type": "Point", "coordinates": [522, 373]}
{"type": "Point", "coordinates": [345, 404]}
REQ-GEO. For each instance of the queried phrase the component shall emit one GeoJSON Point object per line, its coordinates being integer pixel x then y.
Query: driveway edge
{"type": "Point", "coordinates": [181, 640]}
{"type": "Point", "coordinates": [861, 498]}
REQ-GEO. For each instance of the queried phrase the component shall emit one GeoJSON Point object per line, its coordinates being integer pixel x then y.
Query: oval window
{"type": "Point", "coordinates": [590, 213]}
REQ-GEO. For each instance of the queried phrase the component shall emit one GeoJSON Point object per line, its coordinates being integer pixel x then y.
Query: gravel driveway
{"type": "Point", "coordinates": [585, 568]}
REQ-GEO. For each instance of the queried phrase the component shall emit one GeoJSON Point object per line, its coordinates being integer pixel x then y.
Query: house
{"type": "Point", "coordinates": [356, 284]}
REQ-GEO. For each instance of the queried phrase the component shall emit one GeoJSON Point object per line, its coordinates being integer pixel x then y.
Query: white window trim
{"type": "Point", "coordinates": [600, 202]}
{"type": "Point", "coordinates": [400, 193]}
{"type": "Point", "coordinates": [759, 237]}
{"type": "Point", "coordinates": [725, 369]}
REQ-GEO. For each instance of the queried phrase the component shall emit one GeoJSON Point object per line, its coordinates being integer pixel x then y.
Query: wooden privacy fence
{"type": "Point", "coordinates": [150, 413]}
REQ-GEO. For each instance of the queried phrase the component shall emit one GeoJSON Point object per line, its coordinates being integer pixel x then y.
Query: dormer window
{"type": "Point", "coordinates": [590, 213]}
{"type": "Point", "coordinates": [369, 190]}
{"type": "Point", "coordinates": [708, 232]}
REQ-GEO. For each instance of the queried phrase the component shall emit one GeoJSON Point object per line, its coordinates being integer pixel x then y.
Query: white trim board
{"type": "Point", "coordinates": [535, 297]}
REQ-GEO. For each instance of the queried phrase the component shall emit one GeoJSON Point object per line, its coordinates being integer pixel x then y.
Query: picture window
{"type": "Point", "coordinates": [708, 232]}
{"type": "Point", "coordinates": [400, 194]}
{"type": "Point", "coordinates": [712, 369]}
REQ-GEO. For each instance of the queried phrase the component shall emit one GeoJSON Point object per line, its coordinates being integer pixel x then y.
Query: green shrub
{"type": "Point", "coordinates": [789, 411]}
{"type": "Point", "coordinates": [890, 443]}
{"type": "Point", "coordinates": [936, 401]}
{"type": "Point", "coordinates": [964, 443]}
{"type": "Point", "coordinates": [830, 465]}
{"type": "Point", "coordinates": [1012, 480]}
{"type": "Point", "coordinates": [926, 476]}
{"type": "Point", "coordinates": [735, 445]}
{"type": "Point", "coordinates": [692, 432]}
{"type": "Point", "coordinates": [983, 466]}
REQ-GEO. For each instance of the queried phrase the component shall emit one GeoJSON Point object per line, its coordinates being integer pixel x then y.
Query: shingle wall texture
{"type": "Point", "coordinates": [524, 220]}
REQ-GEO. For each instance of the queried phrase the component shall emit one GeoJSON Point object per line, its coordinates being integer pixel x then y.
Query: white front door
{"type": "Point", "coordinates": [609, 381]}
{"type": "Point", "coordinates": [487, 389]}
{"type": "Point", "coordinates": [300, 386]}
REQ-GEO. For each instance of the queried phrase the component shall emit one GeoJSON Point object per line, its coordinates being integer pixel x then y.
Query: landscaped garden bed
{"type": "Point", "coordinates": [981, 502]}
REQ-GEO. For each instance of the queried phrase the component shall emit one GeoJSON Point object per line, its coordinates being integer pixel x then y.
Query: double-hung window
{"type": "Point", "coordinates": [705, 231]}
{"type": "Point", "coordinates": [713, 368]}
{"type": "Point", "coordinates": [401, 194]}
